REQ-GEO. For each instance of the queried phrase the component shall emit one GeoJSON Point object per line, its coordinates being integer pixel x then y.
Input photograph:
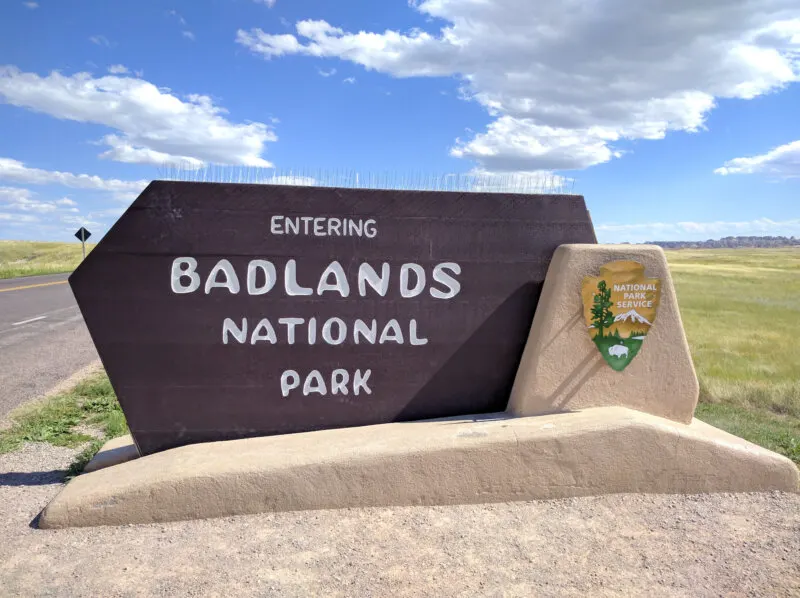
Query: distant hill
{"type": "Point", "coordinates": [730, 243]}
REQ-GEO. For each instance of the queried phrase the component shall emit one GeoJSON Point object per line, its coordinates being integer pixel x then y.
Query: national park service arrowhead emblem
{"type": "Point", "coordinates": [619, 307]}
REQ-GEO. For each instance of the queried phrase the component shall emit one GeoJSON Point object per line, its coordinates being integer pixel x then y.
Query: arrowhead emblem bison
{"type": "Point", "coordinates": [619, 307]}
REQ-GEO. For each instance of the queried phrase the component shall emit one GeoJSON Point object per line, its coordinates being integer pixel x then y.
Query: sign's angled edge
{"type": "Point", "coordinates": [76, 274]}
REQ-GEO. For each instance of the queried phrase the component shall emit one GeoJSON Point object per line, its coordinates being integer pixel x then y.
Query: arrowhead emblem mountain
{"type": "Point", "coordinates": [634, 316]}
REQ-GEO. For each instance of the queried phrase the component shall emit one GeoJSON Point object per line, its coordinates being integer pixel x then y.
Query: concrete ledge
{"type": "Point", "coordinates": [487, 459]}
{"type": "Point", "coordinates": [115, 451]}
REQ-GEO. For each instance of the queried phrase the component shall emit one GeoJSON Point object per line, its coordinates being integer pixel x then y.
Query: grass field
{"type": "Point", "coordinates": [740, 308]}
{"type": "Point", "coordinates": [741, 312]}
{"type": "Point", "coordinates": [28, 258]}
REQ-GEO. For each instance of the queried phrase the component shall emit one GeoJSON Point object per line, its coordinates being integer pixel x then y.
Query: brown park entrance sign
{"type": "Point", "coordinates": [224, 311]}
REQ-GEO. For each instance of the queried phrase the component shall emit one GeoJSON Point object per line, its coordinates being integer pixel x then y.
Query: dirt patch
{"type": "Point", "coordinates": [709, 545]}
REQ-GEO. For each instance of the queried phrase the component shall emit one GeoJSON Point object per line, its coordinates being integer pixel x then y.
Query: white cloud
{"type": "Point", "coordinates": [31, 5]}
{"type": "Point", "coordinates": [178, 16]}
{"type": "Point", "coordinates": [20, 207]}
{"type": "Point", "coordinates": [513, 145]}
{"type": "Point", "coordinates": [100, 40]}
{"type": "Point", "coordinates": [16, 172]}
{"type": "Point", "coordinates": [275, 45]}
{"type": "Point", "coordinates": [123, 151]}
{"type": "Point", "coordinates": [566, 81]}
{"type": "Point", "coordinates": [269, 3]}
{"type": "Point", "coordinates": [24, 200]}
{"type": "Point", "coordinates": [325, 73]}
{"type": "Point", "coordinates": [126, 198]}
{"type": "Point", "coordinates": [349, 80]}
{"type": "Point", "coordinates": [118, 69]}
{"type": "Point", "coordinates": [114, 213]}
{"type": "Point", "coordinates": [17, 219]}
{"type": "Point", "coordinates": [32, 217]}
{"type": "Point", "coordinates": [151, 121]}
{"type": "Point", "coordinates": [782, 161]}
{"type": "Point", "coordinates": [78, 221]}
{"type": "Point", "coordinates": [695, 231]}
{"type": "Point", "coordinates": [188, 35]}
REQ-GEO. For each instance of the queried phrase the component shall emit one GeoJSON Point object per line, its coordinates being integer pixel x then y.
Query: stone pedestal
{"type": "Point", "coordinates": [562, 370]}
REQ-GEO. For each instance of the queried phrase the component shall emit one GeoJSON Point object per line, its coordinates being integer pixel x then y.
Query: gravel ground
{"type": "Point", "coordinates": [641, 545]}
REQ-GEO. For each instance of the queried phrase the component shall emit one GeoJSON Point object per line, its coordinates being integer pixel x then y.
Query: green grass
{"type": "Point", "coordinates": [29, 258]}
{"type": "Point", "coordinates": [781, 435]}
{"type": "Point", "coordinates": [741, 312]}
{"type": "Point", "coordinates": [62, 420]}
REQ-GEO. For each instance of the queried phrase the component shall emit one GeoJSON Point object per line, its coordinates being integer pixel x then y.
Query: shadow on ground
{"type": "Point", "coordinates": [33, 478]}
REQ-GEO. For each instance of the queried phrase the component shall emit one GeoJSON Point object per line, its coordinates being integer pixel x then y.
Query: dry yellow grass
{"type": "Point", "coordinates": [29, 258]}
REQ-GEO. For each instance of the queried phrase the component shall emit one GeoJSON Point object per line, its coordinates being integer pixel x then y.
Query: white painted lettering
{"type": "Point", "coordinates": [392, 326]}
{"type": "Point", "coordinates": [326, 331]}
{"type": "Point", "coordinates": [314, 383]}
{"type": "Point", "coordinates": [231, 281]}
{"type": "Point", "coordinates": [340, 285]}
{"type": "Point", "coordinates": [368, 276]}
{"type": "Point", "coordinates": [412, 334]}
{"type": "Point", "coordinates": [263, 332]}
{"type": "Point", "coordinates": [370, 334]}
{"type": "Point", "coordinates": [360, 382]}
{"type": "Point", "coordinates": [292, 225]}
{"type": "Point", "coordinates": [274, 227]}
{"type": "Point", "coordinates": [312, 331]}
{"type": "Point", "coordinates": [334, 224]}
{"type": "Point", "coordinates": [290, 323]}
{"type": "Point", "coordinates": [270, 277]}
{"type": "Point", "coordinates": [184, 267]}
{"type": "Point", "coordinates": [405, 290]}
{"type": "Point", "coordinates": [355, 227]}
{"type": "Point", "coordinates": [339, 380]}
{"type": "Point", "coordinates": [230, 327]}
{"type": "Point", "coordinates": [442, 277]}
{"type": "Point", "coordinates": [290, 283]}
{"type": "Point", "coordinates": [289, 381]}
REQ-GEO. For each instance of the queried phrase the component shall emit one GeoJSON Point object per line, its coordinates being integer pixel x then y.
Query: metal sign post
{"type": "Point", "coordinates": [83, 235]}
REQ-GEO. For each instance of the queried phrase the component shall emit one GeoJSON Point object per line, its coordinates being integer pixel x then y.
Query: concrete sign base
{"type": "Point", "coordinates": [115, 451]}
{"type": "Point", "coordinates": [494, 458]}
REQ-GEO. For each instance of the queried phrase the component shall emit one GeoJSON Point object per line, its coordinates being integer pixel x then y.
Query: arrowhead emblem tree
{"type": "Point", "coordinates": [602, 317]}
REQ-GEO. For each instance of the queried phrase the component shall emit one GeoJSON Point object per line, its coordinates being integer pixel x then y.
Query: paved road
{"type": "Point", "coordinates": [43, 339]}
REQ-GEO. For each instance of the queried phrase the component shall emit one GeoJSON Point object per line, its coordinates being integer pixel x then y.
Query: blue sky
{"type": "Point", "coordinates": [675, 122]}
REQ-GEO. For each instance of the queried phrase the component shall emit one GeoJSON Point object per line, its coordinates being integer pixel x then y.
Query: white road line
{"type": "Point", "coordinates": [46, 314]}
{"type": "Point", "coordinates": [28, 321]}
